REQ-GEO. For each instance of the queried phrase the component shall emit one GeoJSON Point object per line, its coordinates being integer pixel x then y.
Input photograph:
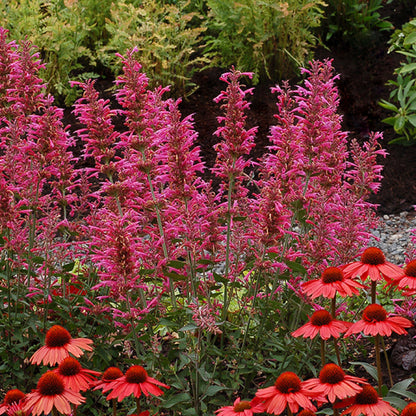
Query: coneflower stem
{"type": "Point", "coordinates": [138, 405]}
{"type": "Point", "coordinates": [387, 362]}
{"type": "Point", "coordinates": [114, 401]}
{"type": "Point", "coordinates": [378, 362]}
{"type": "Point", "coordinates": [54, 411]}
{"type": "Point", "coordinates": [322, 352]}
{"type": "Point", "coordinates": [333, 309]}
{"type": "Point", "coordinates": [289, 412]}
{"type": "Point", "coordinates": [373, 291]}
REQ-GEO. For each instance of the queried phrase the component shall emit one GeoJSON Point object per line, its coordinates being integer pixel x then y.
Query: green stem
{"type": "Point", "coordinates": [227, 246]}
{"type": "Point", "coordinates": [162, 234]}
{"type": "Point", "coordinates": [378, 362]}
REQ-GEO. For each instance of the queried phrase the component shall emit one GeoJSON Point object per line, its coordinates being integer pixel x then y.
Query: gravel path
{"type": "Point", "coordinates": [394, 235]}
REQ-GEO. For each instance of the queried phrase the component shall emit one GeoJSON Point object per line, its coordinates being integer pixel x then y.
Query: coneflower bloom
{"type": "Point", "coordinates": [368, 403]}
{"type": "Point", "coordinates": [12, 396]}
{"type": "Point", "coordinates": [17, 409]}
{"type": "Point", "coordinates": [135, 381]}
{"type": "Point", "coordinates": [322, 323]}
{"type": "Point", "coordinates": [58, 345]}
{"type": "Point", "coordinates": [51, 393]}
{"type": "Point", "coordinates": [242, 408]}
{"type": "Point", "coordinates": [373, 264]}
{"type": "Point", "coordinates": [375, 321]}
{"type": "Point", "coordinates": [407, 281]}
{"type": "Point", "coordinates": [109, 375]}
{"type": "Point", "coordinates": [74, 376]}
{"type": "Point", "coordinates": [334, 384]}
{"type": "Point", "coordinates": [332, 281]}
{"type": "Point", "coordinates": [409, 410]}
{"type": "Point", "coordinates": [288, 390]}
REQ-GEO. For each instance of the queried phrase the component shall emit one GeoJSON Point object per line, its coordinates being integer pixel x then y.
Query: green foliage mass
{"type": "Point", "coordinates": [78, 39]}
{"type": "Point", "coordinates": [402, 102]}
{"type": "Point", "coordinates": [267, 37]}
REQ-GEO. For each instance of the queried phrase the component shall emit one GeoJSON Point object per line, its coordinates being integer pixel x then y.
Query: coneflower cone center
{"type": "Point", "coordinates": [57, 336]}
{"type": "Point", "coordinates": [240, 407]}
{"type": "Point", "coordinates": [13, 396]}
{"type": "Point", "coordinates": [409, 410]}
{"type": "Point", "coordinates": [373, 256]}
{"type": "Point", "coordinates": [374, 313]}
{"type": "Point", "coordinates": [332, 275]}
{"type": "Point", "coordinates": [112, 373]}
{"type": "Point", "coordinates": [136, 374]}
{"type": "Point", "coordinates": [410, 269]}
{"type": "Point", "coordinates": [331, 374]}
{"type": "Point", "coordinates": [288, 382]}
{"type": "Point", "coordinates": [321, 317]}
{"type": "Point", "coordinates": [50, 384]}
{"type": "Point", "coordinates": [368, 395]}
{"type": "Point", "coordinates": [69, 367]}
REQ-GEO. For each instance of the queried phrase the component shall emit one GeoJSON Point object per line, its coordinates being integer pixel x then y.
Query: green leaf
{"type": "Point", "coordinates": [177, 398]}
{"type": "Point", "coordinates": [402, 386]}
{"type": "Point", "coordinates": [412, 119]}
{"type": "Point", "coordinates": [407, 68]}
{"type": "Point", "coordinates": [399, 124]}
{"type": "Point", "coordinates": [212, 390]}
{"type": "Point", "coordinates": [410, 38]}
{"type": "Point", "coordinates": [189, 327]}
{"type": "Point", "coordinates": [389, 106]}
{"type": "Point", "coordinates": [368, 367]}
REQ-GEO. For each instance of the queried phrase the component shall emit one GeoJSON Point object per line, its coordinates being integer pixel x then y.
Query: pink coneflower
{"type": "Point", "coordinates": [242, 408]}
{"type": "Point", "coordinates": [332, 281]}
{"type": "Point", "coordinates": [135, 381]}
{"type": "Point", "coordinates": [13, 396]}
{"type": "Point", "coordinates": [288, 390]}
{"type": "Point", "coordinates": [322, 323]}
{"type": "Point", "coordinates": [74, 376]}
{"type": "Point", "coordinates": [334, 384]}
{"type": "Point", "coordinates": [58, 345]}
{"type": "Point", "coordinates": [51, 393]}
{"type": "Point", "coordinates": [109, 375]}
{"type": "Point", "coordinates": [375, 321]}
{"type": "Point", "coordinates": [373, 264]}
{"type": "Point", "coordinates": [368, 403]}
{"type": "Point", "coordinates": [407, 281]}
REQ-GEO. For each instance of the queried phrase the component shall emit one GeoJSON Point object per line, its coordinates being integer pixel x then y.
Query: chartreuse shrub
{"type": "Point", "coordinates": [402, 101]}
{"type": "Point", "coordinates": [167, 38]}
{"type": "Point", "coordinates": [200, 289]}
{"type": "Point", "coordinates": [270, 38]}
{"type": "Point", "coordinates": [66, 33]}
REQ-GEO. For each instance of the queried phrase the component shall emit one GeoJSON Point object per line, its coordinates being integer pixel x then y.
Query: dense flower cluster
{"type": "Point", "coordinates": [118, 220]}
